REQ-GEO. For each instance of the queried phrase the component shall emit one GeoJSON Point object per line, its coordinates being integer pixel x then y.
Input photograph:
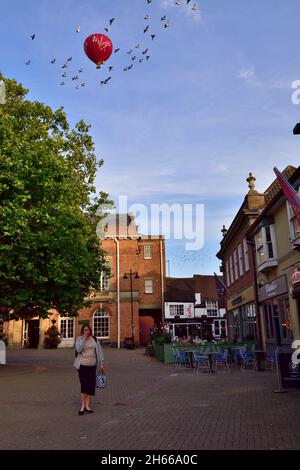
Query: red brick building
{"type": "Point", "coordinates": [132, 300]}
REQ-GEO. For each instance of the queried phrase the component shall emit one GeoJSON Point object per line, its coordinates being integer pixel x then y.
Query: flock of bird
{"type": "Point", "coordinates": [137, 53]}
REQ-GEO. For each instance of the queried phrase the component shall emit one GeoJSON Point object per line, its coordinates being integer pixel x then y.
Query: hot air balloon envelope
{"type": "Point", "coordinates": [98, 48]}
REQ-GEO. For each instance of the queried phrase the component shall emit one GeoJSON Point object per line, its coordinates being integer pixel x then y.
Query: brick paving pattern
{"type": "Point", "coordinates": [146, 405]}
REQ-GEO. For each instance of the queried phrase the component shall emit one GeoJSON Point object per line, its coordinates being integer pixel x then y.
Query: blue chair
{"type": "Point", "coordinates": [222, 359]}
{"type": "Point", "coordinates": [248, 359]}
{"type": "Point", "coordinates": [181, 357]}
{"type": "Point", "coordinates": [200, 361]}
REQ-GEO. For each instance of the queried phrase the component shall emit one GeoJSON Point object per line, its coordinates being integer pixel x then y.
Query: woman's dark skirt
{"type": "Point", "coordinates": [87, 377]}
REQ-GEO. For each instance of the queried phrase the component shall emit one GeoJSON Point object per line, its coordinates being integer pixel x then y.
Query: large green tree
{"type": "Point", "coordinates": [50, 256]}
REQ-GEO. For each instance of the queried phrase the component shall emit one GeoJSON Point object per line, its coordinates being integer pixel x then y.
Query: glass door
{"type": "Point", "coordinates": [67, 332]}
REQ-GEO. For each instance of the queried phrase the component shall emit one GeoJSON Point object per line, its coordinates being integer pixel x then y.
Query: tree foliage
{"type": "Point", "coordinates": [50, 255]}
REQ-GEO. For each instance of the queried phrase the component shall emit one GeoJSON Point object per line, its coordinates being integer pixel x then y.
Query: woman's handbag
{"type": "Point", "coordinates": [101, 381]}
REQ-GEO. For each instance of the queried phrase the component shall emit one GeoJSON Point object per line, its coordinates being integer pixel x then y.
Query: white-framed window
{"type": "Point", "coordinates": [241, 267]}
{"type": "Point", "coordinates": [104, 283]}
{"type": "Point", "coordinates": [176, 310]}
{"type": "Point", "coordinates": [101, 324]}
{"type": "Point", "coordinates": [149, 286]}
{"type": "Point", "coordinates": [148, 252]}
{"type": "Point", "coordinates": [236, 273]}
{"type": "Point", "coordinates": [227, 274]}
{"type": "Point", "coordinates": [219, 328]}
{"type": "Point", "coordinates": [212, 308]}
{"type": "Point", "coordinates": [293, 224]}
{"type": "Point", "coordinates": [265, 244]}
{"type": "Point", "coordinates": [231, 270]}
{"type": "Point", "coordinates": [67, 327]}
{"type": "Point", "coordinates": [246, 256]}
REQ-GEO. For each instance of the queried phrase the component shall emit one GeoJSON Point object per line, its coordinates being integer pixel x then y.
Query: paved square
{"type": "Point", "coordinates": [146, 405]}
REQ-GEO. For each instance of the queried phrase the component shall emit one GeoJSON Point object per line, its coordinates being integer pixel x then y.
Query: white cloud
{"type": "Point", "coordinates": [248, 75]}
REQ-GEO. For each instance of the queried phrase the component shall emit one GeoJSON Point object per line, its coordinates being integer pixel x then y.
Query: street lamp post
{"type": "Point", "coordinates": [130, 276]}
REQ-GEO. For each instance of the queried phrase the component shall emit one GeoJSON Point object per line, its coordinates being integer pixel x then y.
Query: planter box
{"type": "Point", "coordinates": [163, 352]}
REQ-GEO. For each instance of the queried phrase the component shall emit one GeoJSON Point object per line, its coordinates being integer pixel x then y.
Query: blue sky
{"type": "Point", "coordinates": [212, 104]}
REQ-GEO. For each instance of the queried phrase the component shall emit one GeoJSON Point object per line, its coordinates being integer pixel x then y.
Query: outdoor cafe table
{"type": "Point", "coordinates": [209, 354]}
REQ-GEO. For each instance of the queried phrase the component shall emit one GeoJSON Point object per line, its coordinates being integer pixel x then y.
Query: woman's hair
{"type": "Point", "coordinates": [86, 326]}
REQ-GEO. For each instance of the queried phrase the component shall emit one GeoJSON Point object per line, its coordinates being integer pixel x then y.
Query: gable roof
{"type": "Point", "coordinates": [184, 289]}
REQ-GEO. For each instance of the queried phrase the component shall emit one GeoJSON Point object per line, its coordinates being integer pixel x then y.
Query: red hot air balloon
{"type": "Point", "coordinates": [98, 48]}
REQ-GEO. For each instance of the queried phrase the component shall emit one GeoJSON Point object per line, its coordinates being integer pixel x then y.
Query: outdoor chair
{"type": "Point", "coordinates": [200, 361]}
{"type": "Point", "coordinates": [181, 357]}
{"type": "Point", "coordinates": [238, 354]}
{"type": "Point", "coordinates": [222, 359]}
{"type": "Point", "coordinates": [247, 359]}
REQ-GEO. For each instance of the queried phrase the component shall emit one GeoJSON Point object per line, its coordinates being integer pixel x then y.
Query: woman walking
{"type": "Point", "coordinates": [89, 361]}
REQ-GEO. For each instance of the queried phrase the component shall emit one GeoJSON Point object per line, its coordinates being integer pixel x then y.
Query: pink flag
{"type": "Point", "coordinates": [291, 195]}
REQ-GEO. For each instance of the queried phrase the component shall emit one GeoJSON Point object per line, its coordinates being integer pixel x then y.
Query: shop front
{"type": "Point", "coordinates": [241, 316]}
{"type": "Point", "coordinates": [275, 308]}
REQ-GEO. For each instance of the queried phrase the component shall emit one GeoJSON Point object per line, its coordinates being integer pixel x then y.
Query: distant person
{"type": "Point", "coordinates": [197, 340]}
{"type": "Point", "coordinates": [89, 361]}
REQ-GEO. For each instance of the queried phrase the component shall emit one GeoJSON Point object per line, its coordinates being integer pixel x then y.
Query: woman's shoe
{"type": "Point", "coordinates": [89, 411]}
{"type": "Point", "coordinates": [81, 413]}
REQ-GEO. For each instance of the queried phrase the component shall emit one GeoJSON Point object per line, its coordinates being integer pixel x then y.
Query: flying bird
{"type": "Point", "coordinates": [146, 29]}
{"type": "Point", "coordinates": [53, 61]}
{"type": "Point", "coordinates": [111, 21]}
{"type": "Point", "coordinates": [117, 50]}
{"type": "Point", "coordinates": [153, 36]}
{"type": "Point", "coordinates": [33, 37]}
{"type": "Point", "coordinates": [167, 24]}
{"type": "Point", "coordinates": [78, 29]}
{"type": "Point", "coordinates": [28, 62]}
{"type": "Point", "coordinates": [145, 51]}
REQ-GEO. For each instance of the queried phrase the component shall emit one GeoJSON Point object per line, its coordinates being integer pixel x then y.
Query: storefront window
{"type": "Point", "coordinates": [284, 309]}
